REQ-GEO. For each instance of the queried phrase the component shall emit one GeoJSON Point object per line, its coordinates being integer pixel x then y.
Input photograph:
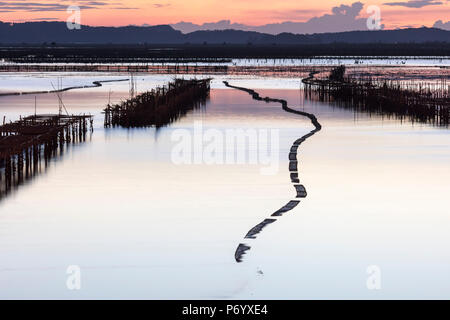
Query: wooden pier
{"type": "Point", "coordinates": [159, 106]}
{"type": "Point", "coordinates": [26, 143]}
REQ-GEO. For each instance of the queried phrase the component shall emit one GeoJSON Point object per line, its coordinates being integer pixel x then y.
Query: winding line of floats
{"type": "Point", "coordinates": [242, 248]}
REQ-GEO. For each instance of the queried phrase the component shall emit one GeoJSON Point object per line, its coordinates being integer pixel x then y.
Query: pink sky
{"type": "Point", "coordinates": [252, 12]}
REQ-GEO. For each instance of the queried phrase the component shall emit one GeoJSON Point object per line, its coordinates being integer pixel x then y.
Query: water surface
{"type": "Point", "coordinates": [140, 226]}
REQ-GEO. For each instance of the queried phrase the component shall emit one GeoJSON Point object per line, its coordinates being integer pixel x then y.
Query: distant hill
{"type": "Point", "coordinates": [57, 32]}
{"type": "Point", "coordinates": [40, 32]}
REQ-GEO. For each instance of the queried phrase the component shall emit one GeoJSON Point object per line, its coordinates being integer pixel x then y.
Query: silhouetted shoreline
{"type": "Point", "coordinates": [197, 53]}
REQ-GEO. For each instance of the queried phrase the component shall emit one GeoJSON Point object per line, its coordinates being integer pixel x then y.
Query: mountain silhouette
{"type": "Point", "coordinates": [57, 32]}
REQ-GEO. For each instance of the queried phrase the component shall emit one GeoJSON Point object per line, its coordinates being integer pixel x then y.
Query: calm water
{"type": "Point", "coordinates": [141, 226]}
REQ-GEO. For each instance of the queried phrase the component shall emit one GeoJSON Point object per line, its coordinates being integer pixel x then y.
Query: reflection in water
{"type": "Point", "coordinates": [24, 174]}
{"type": "Point", "coordinates": [293, 168]}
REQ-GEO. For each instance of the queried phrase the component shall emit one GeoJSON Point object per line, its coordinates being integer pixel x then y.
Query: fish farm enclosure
{"type": "Point", "coordinates": [26, 143]}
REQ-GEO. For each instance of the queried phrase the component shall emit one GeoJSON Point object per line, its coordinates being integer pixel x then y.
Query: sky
{"type": "Point", "coordinates": [394, 13]}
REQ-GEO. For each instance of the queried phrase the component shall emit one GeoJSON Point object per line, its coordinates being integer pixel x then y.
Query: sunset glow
{"type": "Point", "coordinates": [395, 14]}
